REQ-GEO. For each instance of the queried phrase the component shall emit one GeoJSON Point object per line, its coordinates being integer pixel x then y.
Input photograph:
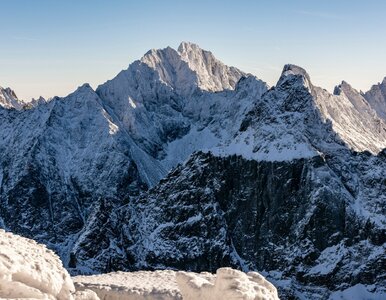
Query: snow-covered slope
{"type": "Point", "coordinates": [376, 97]}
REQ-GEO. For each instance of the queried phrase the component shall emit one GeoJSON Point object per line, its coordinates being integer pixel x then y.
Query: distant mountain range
{"type": "Point", "coordinates": [183, 162]}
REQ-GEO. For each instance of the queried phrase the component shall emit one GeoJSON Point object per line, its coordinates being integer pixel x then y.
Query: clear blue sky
{"type": "Point", "coordinates": [49, 47]}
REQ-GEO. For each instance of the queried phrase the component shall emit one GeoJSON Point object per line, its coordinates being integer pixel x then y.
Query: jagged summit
{"type": "Point", "coordinates": [8, 91]}
{"type": "Point", "coordinates": [212, 74]}
{"type": "Point", "coordinates": [8, 99]}
{"type": "Point", "coordinates": [191, 67]}
{"type": "Point", "coordinates": [188, 46]}
{"type": "Point", "coordinates": [294, 70]}
{"type": "Point", "coordinates": [292, 73]}
{"type": "Point", "coordinates": [345, 88]}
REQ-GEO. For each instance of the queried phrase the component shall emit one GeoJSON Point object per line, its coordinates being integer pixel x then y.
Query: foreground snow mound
{"type": "Point", "coordinates": [30, 270]}
{"type": "Point", "coordinates": [228, 284]}
{"type": "Point", "coordinates": [164, 285]}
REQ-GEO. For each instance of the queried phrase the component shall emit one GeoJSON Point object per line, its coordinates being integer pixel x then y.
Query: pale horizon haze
{"type": "Point", "coordinates": [49, 47]}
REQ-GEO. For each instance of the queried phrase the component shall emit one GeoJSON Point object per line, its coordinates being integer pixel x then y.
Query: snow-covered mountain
{"type": "Point", "coordinates": [181, 161]}
{"type": "Point", "coordinates": [62, 157]}
{"type": "Point", "coordinates": [296, 186]}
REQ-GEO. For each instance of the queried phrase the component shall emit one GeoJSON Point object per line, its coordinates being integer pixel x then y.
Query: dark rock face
{"type": "Point", "coordinates": [291, 219]}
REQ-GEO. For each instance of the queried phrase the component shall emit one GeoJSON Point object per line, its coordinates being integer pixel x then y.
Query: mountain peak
{"type": "Point", "coordinates": [344, 87]}
{"type": "Point", "coordinates": [191, 67]}
{"type": "Point", "coordinates": [10, 92]}
{"type": "Point", "coordinates": [213, 75]}
{"type": "Point", "coordinates": [157, 52]}
{"type": "Point", "coordinates": [294, 70]}
{"type": "Point", "coordinates": [82, 90]}
{"type": "Point", "coordinates": [290, 71]}
{"type": "Point", "coordinates": [85, 88]}
{"type": "Point", "coordinates": [188, 46]}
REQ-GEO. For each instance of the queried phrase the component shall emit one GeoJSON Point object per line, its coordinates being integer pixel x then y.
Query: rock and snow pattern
{"type": "Point", "coordinates": [183, 162]}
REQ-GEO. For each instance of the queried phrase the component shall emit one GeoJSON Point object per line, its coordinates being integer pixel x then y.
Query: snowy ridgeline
{"type": "Point", "coordinates": [30, 270]}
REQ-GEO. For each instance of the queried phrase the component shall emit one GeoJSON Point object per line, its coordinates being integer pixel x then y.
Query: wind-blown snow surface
{"type": "Point", "coordinates": [29, 270]}
{"type": "Point", "coordinates": [169, 285]}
